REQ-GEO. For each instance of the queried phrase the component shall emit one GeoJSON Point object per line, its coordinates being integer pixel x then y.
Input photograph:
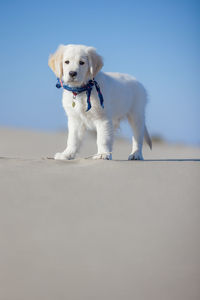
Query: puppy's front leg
{"type": "Point", "coordinates": [104, 139]}
{"type": "Point", "coordinates": [76, 130]}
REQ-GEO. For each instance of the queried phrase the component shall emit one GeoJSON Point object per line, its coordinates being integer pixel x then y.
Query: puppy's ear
{"type": "Point", "coordinates": [55, 61]}
{"type": "Point", "coordinates": [95, 62]}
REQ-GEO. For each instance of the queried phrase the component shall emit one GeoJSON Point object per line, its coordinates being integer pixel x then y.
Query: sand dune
{"type": "Point", "coordinates": [99, 230]}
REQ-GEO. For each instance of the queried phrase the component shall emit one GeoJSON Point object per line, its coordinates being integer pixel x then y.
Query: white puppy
{"type": "Point", "coordinates": [123, 95]}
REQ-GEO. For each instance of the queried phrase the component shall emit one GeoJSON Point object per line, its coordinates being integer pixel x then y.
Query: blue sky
{"type": "Point", "coordinates": [155, 41]}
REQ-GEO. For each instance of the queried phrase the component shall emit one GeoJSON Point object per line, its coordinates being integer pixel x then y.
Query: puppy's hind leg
{"type": "Point", "coordinates": [137, 124]}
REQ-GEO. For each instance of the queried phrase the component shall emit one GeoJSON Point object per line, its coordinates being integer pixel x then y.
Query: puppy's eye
{"type": "Point", "coordinates": [67, 62]}
{"type": "Point", "coordinates": [81, 62]}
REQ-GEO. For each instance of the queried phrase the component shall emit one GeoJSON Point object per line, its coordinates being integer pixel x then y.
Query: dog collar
{"type": "Point", "coordinates": [86, 88]}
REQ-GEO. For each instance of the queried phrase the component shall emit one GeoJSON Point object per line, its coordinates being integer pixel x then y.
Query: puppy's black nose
{"type": "Point", "coordinates": [72, 73]}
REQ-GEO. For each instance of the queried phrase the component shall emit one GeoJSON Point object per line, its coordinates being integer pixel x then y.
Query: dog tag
{"type": "Point", "coordinates": [73, 104]}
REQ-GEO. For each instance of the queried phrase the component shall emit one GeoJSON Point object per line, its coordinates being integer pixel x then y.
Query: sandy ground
{"type": "Point", "coordinates": [97, 230]}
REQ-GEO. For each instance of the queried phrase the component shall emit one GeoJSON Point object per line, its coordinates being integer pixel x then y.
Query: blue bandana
{"type": "Point", "coordinates": [86, 88]}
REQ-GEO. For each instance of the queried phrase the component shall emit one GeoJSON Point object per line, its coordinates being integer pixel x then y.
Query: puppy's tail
{"type": "Point", "coordinates": [147, 137]}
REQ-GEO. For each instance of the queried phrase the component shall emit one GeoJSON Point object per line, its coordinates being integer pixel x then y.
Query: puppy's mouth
{"type": "Point", "coordinates": [74, 82]}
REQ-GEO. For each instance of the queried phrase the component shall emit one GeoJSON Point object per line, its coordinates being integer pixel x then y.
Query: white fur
{"type": "Point", "coordinates": [124, 97]}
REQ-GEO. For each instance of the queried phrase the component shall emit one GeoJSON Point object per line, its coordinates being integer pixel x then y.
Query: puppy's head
{"type": "Point", "coordinates": [75, 64]}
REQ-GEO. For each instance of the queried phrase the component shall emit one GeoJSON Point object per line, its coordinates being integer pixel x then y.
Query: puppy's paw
{"type": "Point", "coordinates": [63, 156]}
{"type": "Point", "coordinates": [105, 156]}
{"type": "Point", "coordinates": [137, 155]}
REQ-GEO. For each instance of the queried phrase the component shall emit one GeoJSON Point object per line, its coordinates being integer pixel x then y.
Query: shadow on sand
{"type": "Point", "coordinates": [174, 159]}
{"type": "Point", "coordinates": [114, 160]}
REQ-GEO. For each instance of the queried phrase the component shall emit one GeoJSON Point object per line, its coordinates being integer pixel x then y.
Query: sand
{"type": "Point", "coordinates": [99, 230]}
